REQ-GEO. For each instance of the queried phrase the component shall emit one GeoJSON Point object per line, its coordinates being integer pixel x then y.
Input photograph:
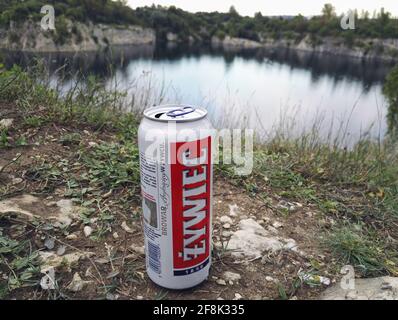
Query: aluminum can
{"type": "Point", "coordinates": [175, 144]}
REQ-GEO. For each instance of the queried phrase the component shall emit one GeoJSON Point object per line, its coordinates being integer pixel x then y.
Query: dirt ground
{"type": "Point", "coordinates": [115, 265]}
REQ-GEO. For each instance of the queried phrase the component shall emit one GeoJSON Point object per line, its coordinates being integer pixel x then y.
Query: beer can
{"type": "Point", "coordinates": [175, 143]}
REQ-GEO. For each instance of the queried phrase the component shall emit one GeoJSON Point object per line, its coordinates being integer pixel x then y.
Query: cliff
{"type": "Point", "coordinates": [383, 49]}
{"type": "Point", "coordinates": [73, 37]}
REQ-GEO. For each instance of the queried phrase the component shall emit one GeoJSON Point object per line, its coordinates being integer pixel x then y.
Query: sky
{"type": "Point", "coordinates": [278, 7]}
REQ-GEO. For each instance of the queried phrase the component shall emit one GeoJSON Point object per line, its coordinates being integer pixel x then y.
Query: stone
{"type": "Point", "coordinates": [140, 298]}
{"type": "Point", "coordinates": [6, 124]}
{"type": "Point", "coordinates": [71, 236]}
{"type": "Point", "coordinates": [269, 279]}
{"type": "Point", "coordinates": [87, 231]}
{"type": "Point", "coordinates": [126, 227]}
{"type": "Point", "coordinates": [251, 240]}
{"type": "Point", "coordinates": [231, 276]}
{"type": "Point", "coordinates": [277, 224]}
{"type": "Point", "coordinates": [233, 210]}
{"type": "Point", "coordinates": [30, 208]}
{"type": "Point", "coordinates": [138, 249]}
{"type": "Point", "coordinates": [238, 296]}
{"type": "Point", "coordinates": [226, 234]}
{"type": "Point", "coordinates": [115, 235]}
{"type": "Point", "coordinates": [382, 288]}
{"type": "Point", "coordinates": [16, 181]}
{"type": "Point", "coordinates": [61, 250]}
{"type": "Point", "coordinates": [68, 212]}
{"type": "Point", "coordinates": [50, 260]}
{"type": "Point", "coordinates": [226, 219]}
{"type": "Point", "coordinates": [77, 284]}
{"type": "Point", "coordinates": [93, 144]}
{"type": "Point", "coordinates": [221, 282]}
{"type": "Point", "coordinates": [47, 282]}
{"type": "Point", "coordinates": [226, 226]}
{"type": "Point", "coordinates": [289, 206]}
{"type": "Point", "coordinates": [49, 243]}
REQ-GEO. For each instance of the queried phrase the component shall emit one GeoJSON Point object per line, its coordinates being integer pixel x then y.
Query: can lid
{"type": "Point", "coordinates": [175, 112]}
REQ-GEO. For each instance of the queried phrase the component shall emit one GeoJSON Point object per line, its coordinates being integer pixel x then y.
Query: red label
{"type": "Point", "coordinates": [191, 188]}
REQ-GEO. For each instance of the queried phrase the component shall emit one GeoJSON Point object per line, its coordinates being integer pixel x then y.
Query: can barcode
{"type": "Point", "coordinates": [154, 257]}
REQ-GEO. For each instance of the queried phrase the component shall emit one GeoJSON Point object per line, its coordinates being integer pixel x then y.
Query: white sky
{"type": "Point", "coordinates": [278, 7]}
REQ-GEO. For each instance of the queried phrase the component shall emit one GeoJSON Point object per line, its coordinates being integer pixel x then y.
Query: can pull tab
{"type": "Point", "coordinates": [180, 112]}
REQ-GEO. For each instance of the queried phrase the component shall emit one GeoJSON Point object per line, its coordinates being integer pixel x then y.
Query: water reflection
{"type": "Point", "coordinates": [255, 88]}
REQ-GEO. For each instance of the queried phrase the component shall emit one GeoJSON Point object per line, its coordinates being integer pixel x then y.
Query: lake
{"type": "Point", "coordinates": [266, 90]}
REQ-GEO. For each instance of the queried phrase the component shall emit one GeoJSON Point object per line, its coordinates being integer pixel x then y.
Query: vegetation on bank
{"type": "Point", "coordinates": [390, 90]}
{"type": "Point", "coordinates": [204, 25]}
{"type": "Point", "coordinates": [355, 190]}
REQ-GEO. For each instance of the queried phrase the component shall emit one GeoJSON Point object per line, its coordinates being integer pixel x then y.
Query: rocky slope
{"type": "Point", "coordinates": [76, 37]}
{"type": "Point", "coordinates": [384, 49]}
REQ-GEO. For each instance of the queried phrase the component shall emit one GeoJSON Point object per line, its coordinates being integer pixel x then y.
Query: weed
{"type": "Point", "coordinates": [19, 266]}
{"type": "Point", "coordinates": [357, 247]}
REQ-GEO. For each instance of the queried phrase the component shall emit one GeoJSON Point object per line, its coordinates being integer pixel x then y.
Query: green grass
{"type": "Point", "coordinates": [113, 165]}
{"type": "Point", "coordinates": [18, 264]}
{"type": "Point", "coordinates": [359, 248]}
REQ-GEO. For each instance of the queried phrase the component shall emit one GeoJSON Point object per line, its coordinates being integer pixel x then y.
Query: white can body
{"type": "Point", "coordinates": [176, 185]}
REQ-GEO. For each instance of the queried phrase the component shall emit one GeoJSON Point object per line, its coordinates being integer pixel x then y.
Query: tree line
{"type": "Point", "coordinates": [205, 25]}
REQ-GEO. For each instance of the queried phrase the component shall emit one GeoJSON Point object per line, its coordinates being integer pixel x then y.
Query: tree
{"type": "Point", "coordinates": [390, 90]}
{"type": "Point", "coordinates": [328, 11]}
{"type": "Point", "coordinates": [233, 12]}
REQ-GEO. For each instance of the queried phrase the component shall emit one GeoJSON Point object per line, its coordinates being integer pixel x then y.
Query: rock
{"type": "Point", "coordinates": [231, 276]}
{"type": "Point", "coordinates": [382, 288]}
{"type": "Point", "coordinates": [52, 260]}
{"type": "Point", "coordinates": [138, 249]}
{"type": "Point", "coordinates": [225, 219]}
{"type": "Point", "coordinates": [289, 206]}
{"type": "Point", "coordinates": [87, 231]}
{"type": "Point", "coordinates": [6, 124]}
{"type": "Point", "coordinates": [61, 250]}
{"type": "Point", "coordinates": [140, 298]}
{"type": "Point", "coordinates": [233, 210]}
{"type": "Point", "coordinates": [49, 243]}
{"type": "Point", "coordinates": [126, 227]}
{"type": "Point", "coordinates": [16, 181]}
{"type": "Point", "coordinates": [67, 212]}
{"type": "Point", "coordinates": [71, 236]}
{"type": "Point", "coordinates": [47, 282]}
{"type": "Point", "coordinates": [115, 235]}
{"type": "Point", "coordinates": [218, 244]}
{"type": "Point", "coordinates": [221, 282]}
{"type": "Point", "coordinates": [30, 207]}
{"type": "Point", "coordinates": [77, 284]}
{"type": "Point", "coordinates": [51, 204]}
{"type": "Point", "coordinates": [269, 279]}
{"type": "Point", "coordinates": [251, 240]}
{"type": "Point", "coordinates": [112, 296]}
{"type": "Point", "coordinates": [226, 226]}
{"type": "Point", "coordinates": [17, 205]}
{"type": "Point", "coordinates": [277, 224]}
{"type": "Point", "coordinates": [237, 296]}
{"type": "Point", "coordinates": [226, 234]}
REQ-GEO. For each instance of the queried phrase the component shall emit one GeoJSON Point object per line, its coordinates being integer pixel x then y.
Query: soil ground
{"type": "Point", "coordinates": [116, 268]}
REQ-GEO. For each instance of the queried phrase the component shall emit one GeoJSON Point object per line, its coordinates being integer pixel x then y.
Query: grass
{"type": "Point", "coordinates": [363, 250]}
{"type": "Point", "coordinates": [356, 187]}
{"type": "Point", "coordinates": [18, 263]}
